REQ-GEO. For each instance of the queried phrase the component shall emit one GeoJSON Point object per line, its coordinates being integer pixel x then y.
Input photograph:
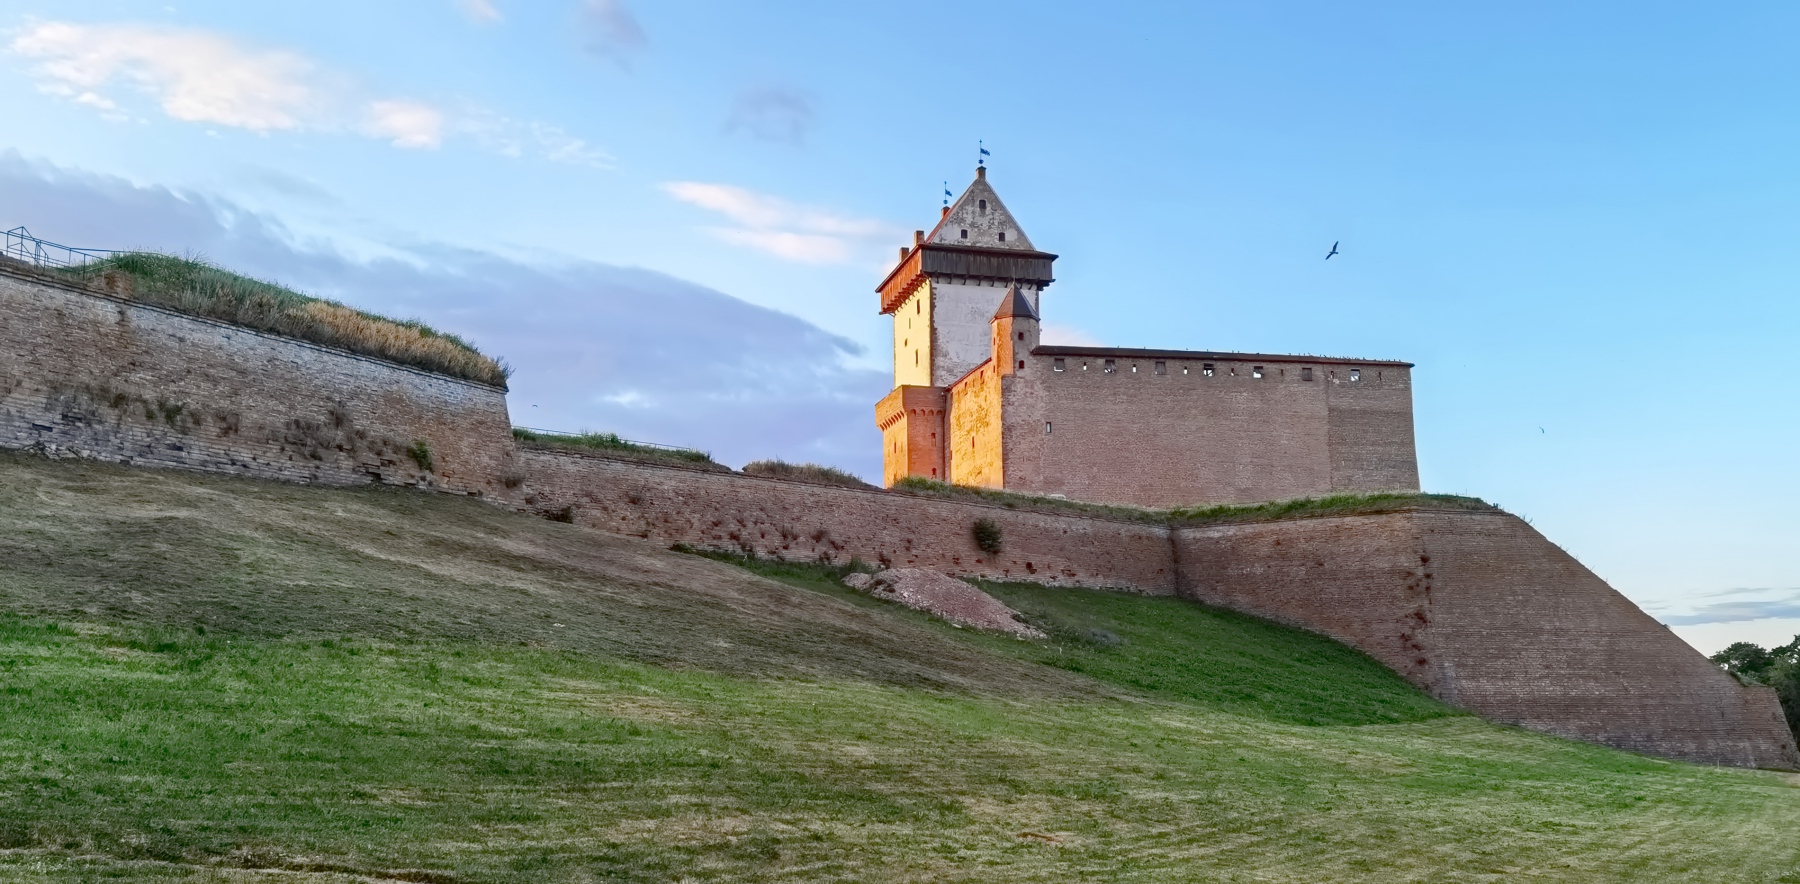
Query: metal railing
{"type": "Point", "coordinates": [21, 246]}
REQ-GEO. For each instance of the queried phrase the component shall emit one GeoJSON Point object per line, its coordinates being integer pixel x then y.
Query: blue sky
{"type": "Point", "coordinates": [669, 216]}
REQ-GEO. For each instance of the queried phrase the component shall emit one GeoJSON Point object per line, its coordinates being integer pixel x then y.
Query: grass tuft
{"type": "Point", "coordinates": [1299, 508]}
{"type": "Point", "coordinates": [611, 443]}
{"type": "Point", "coordinates": [804, 472]}
{"type": "Point", "coordinates": [197, 287]}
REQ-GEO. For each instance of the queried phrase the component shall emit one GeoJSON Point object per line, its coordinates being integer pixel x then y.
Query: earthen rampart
{"type": "Point", "coordinates": [89, 374]}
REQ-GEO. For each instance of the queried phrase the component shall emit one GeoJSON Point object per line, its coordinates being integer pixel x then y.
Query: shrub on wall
{"type": "Point", "coordinates": [987, 536]}
{"type": "Point", "coordinates": [805, 472]}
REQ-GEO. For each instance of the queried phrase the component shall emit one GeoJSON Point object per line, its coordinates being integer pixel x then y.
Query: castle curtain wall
{"type": "Point", "coordinates": [1182, 438]}
{"type": "Point", "coordinates": [976, 449]}
{"type": "Point", "coordinates": [87, 374]}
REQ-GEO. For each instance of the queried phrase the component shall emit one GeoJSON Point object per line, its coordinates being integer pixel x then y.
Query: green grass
{"type": "Point", "coordinates": [611, 443]}
{"type": "Point", "coordinates": [393, 685]}
{"type": "Point", "coordinates": [804, 472]}
{"type": "Point", "coordinates": [197, 287]}
{"type": "Point", "coordinates": [1298, 508]}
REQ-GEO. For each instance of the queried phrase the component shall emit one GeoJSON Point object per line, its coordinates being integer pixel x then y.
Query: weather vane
{"type": "Point", "coordinates": [946, 193]}
{"type": "Point", "coordinates": [981, 160]}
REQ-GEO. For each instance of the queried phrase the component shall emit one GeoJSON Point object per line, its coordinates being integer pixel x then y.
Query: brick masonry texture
{"type": "Point", "coordinates": [1179, 438]}
{"type": "Point", "coordinates": [1483, 612]}
{"type": "Point", "coordinates": [85, 374]}
{"type": "Point", "coordinates": [806, 522]}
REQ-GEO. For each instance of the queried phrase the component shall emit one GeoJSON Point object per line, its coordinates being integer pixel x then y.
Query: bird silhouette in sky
{"type": "Point", "coordinates": [1332, 252]}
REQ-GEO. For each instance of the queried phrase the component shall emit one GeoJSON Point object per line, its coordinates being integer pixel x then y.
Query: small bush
{"type": "Point", "coordinates": [420, 452]}
{"type": "Point", "coordinates": [194, 286]}
{"type": "Point", "coordinates": [804, 472]}
{"type": "Point", "coordinates": [987, 536]}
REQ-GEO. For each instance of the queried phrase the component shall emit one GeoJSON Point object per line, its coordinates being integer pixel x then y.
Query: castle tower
{"type": "Point", "coordinates": [1014, 332]}
{"type": "Point", "coordinates": [941, 295]}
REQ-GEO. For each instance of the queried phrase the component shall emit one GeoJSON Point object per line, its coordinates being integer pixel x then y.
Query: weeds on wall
{"type": "Point", "coordinates": [804, 472]}
{"type": "Point", "coordinates": [987, 536]}
{"type": "Point", "coordinates": [420, 452]}
{"type": "Point", "coordinates": [193, 286]}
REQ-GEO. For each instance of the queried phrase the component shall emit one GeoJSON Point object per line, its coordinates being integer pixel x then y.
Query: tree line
{"type": "Point", "coordinates": [1778, 668]}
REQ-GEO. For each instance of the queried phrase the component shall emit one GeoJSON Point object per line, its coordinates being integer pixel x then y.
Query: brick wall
{"type": "Point", "coordinates": [1483, 612]}
{"type": "Point", "coordinates": [912, 433]}
{"type": "Point", "coordinates": [801, 521]}
{"type": "Point", "coordinates": [84, 373]}
{"type": "Point", "coordinates": [975, 444]}
{"type": "Point", "coordinates": [1132, 435]}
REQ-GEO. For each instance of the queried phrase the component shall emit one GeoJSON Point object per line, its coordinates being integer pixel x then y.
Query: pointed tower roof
{"type": "Point", "coordinates": [1015, 305]}
{"type": "Point", "coordinates": [978, 219]}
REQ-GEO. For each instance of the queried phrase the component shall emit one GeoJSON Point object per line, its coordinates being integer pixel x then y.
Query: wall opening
{"type": "Point", "coordinates": [1206, 369]}
{"type": "Point", "coordinates": [1306, 374]}
{"type": "Point", "coordinates": [981, 206]}
{"type": "Point", "coordinates": [1109, 366]}
{"type": "Point", "coordinates": [1058, 365]}
{"type": "Point", "coordinates": [1021, 336]}
{"type": "Point", "coordinates": [1355, 374]}
{"type": "Point", "coordinates": [1162, 368]}
{"type": "Point", "coordinates": [965, 233]}
{"type": "Point", "coordinates": [1002, 235]}
{"type": "Point", "coordinates": [1046, 428]}
{"type": "Point", "coordinates": [1021, 365]}
{"type": "Point", "coordinates": [1256, 372]}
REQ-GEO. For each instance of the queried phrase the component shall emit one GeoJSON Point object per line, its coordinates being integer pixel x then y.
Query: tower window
{"type": "Point", "coordinates": [1058, 365]}
{"type": "Point", "coordinates": [1206, 369]}
{"type": "Point", "coordinates": [1109, 366]}
{"type": "Point", "coordinates": [1162, 368]}
{"type": "Point", "coordinates": [1356, 374]}
{"type": "Point", "coordinates": [981, 206]}
{"type": "Point", "coordinates": [1002, 236]}
{"type": "Point", "coordinates": [1306, 374]}
{"type": "Point", "coordinates": [1134, 368]}
{"type": "Point", "coordinates": [1046, 428]}
{"type": "Point", "coordinates": [1256, 371]}
{"type": "Point", "coordinates": [1021, 364]}
{"type": "Point", "coordinates": [1021, 336]}
{"type": "Point", "coordinates": [965, 234]}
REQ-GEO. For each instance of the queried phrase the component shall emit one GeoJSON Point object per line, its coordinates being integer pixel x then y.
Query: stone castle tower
{"type": "Point", "coordinates": [979, 400]}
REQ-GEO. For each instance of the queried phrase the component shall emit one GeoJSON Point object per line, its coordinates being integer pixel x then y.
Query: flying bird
{"type": "Point", "coordinates": [1332, 252]}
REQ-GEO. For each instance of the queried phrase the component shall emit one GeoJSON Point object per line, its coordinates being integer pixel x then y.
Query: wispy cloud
{"type": "Point", "coordinates": [205, 77]}
{"type": "Point", "coordinates": [772, 113]}
{"type": "Point", "coordinates": [792, 232]}
{"type": "Point", "coordinates": [612, 31]}
{"type": "Point", "coordinates": [481, 11]}
{"type": "Point", "coordinates": [1737, 605]}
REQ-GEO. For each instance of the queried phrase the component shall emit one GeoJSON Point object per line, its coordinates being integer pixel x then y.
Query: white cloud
{"type": "Point", "coordinates": [482, 11]}
{"type": "Point", "coordinates": [772, 113]}
{"type": "Point", "coordinates": [194, 76]}
{"type": "Point", "coordinates": [783, 229]}
{"type": "Point", "coordinates": [204, 77]}
{"type": "Point", "coordinates": [408, 123]}
{"type": "Point", "coordinates": [612, 31]}
{"type": "Point", "coordinates": [1067, 336]}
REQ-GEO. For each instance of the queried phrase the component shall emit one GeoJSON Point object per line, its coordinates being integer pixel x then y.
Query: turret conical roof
{"type": "Point", "coordinates": [1015, 305]}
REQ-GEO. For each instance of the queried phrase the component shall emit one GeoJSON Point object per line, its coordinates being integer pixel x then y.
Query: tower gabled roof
{"type": "Point", "coordinates": [1015, 305]}
{"type": "Point", "coordinates": [980, 212]}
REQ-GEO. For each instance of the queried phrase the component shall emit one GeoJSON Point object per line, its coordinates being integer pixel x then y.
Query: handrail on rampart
{"type": "Point", "coordinates": [21, 246]}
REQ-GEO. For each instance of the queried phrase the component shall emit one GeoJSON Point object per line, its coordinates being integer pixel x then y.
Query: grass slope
{"type": "Point", "coordinates": [382, 691]}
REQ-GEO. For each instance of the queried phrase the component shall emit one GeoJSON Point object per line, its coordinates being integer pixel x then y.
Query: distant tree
{"type": "Point", "coordinates": [1745, 659]}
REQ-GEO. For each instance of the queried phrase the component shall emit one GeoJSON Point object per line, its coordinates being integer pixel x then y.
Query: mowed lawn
{"type": "Point", "coordinates": [1148, 740]}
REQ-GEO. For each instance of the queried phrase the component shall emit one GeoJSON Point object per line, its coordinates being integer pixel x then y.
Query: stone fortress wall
{"type": "Point", "coordinates": [88, 374]}
{"type": "Point", "coordinates": [1476, 608]}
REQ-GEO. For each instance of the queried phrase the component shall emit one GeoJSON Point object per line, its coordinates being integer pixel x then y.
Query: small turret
{"type": "Point", "coordinates": [1015, 331]}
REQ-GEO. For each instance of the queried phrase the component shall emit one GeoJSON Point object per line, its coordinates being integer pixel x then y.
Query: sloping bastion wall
{"type": "Point", "coordinates": [1474, 607]}
{"type": "Point", "coordinates": [83, 373]}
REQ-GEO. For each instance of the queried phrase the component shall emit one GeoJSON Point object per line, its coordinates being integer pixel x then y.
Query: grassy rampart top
{"type": "Point", "coordinates": [199, 288]}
